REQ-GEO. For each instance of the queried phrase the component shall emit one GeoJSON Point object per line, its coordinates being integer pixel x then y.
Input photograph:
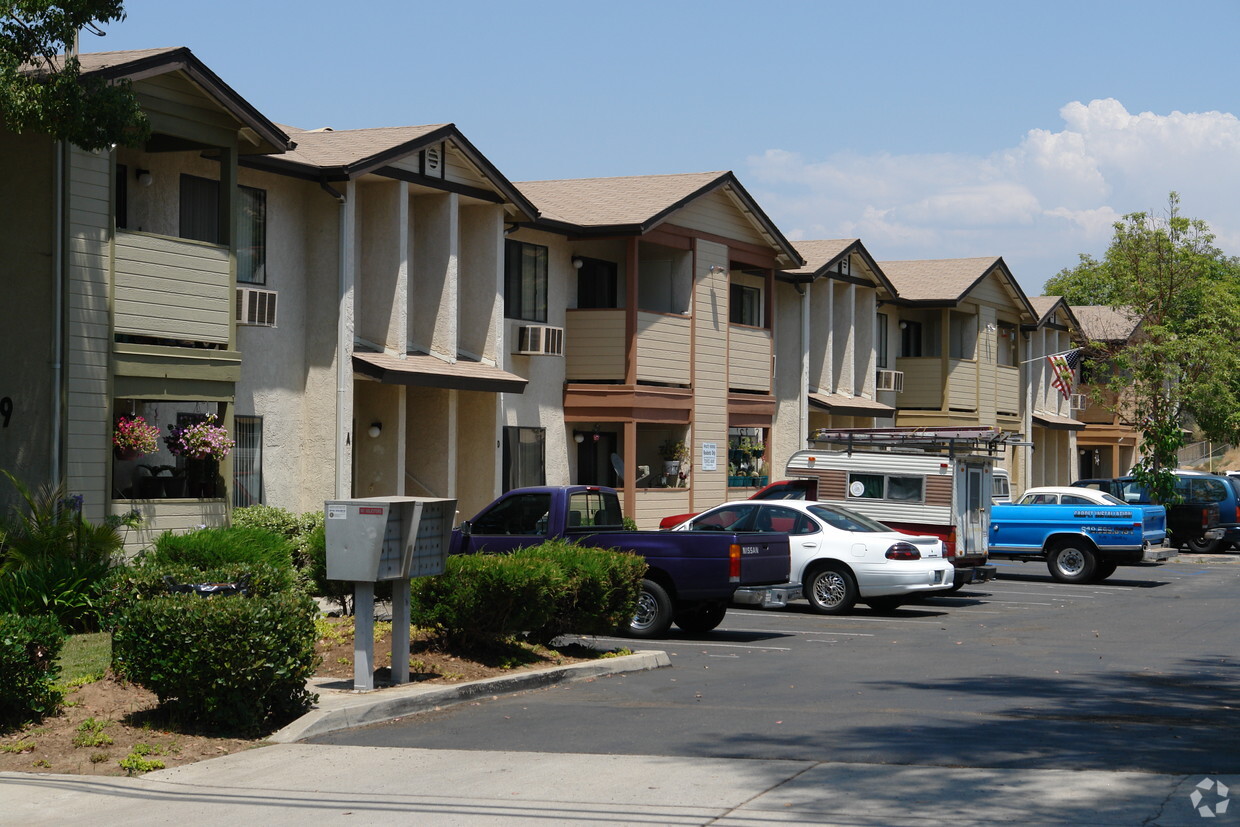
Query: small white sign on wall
{"type": "Point", "coordinates": [710, 453]}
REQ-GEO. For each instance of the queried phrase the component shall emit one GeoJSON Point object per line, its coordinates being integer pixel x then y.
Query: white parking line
{"type": "Point", "coordinates": [1041, 594]}
{"type": "Point", "coordinates": [667, 644]}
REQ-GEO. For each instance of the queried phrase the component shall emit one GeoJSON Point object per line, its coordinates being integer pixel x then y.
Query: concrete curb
{"type": "Point", "coordinates": [1218, 557]}
{"type": "Point", "coordinates": [339, 710]}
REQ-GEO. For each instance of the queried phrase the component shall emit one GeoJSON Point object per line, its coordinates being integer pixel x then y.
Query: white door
{"type": "Point", "coordinates": [972, 507]}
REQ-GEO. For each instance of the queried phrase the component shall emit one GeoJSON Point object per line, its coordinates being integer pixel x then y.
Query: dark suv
{"type": "Point", "coordinates": [1191, 522]}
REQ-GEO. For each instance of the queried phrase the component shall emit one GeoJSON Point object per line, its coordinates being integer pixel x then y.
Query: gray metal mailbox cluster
{"type": "Point", "coordinates": [385, 538]}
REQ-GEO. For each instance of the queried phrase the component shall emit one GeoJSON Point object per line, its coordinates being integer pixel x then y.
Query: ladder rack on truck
{"type": "Point", "coordinates": [931, 480]}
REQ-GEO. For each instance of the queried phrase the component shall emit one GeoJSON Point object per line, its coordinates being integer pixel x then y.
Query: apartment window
{"type": "Point", "coordinates": [963, 335]}
{"type": "Point", "coordinates": [248, 461]}
{"type": "Point", "coordinates": [200, 220]}
{"type": "Point", "coordinates": [880, 339]}
{"type": "Point", "coordinates": [596, 283]}
{"type": "Point", "coordinates": [251, 235]}
{"type": "Point", "coordinates": [122, 196]}
{"type": "Point", "coordinates": [910, 339]}
{"type": "Point", "coordinates": [525, 281]}
{"type": "Point", "coordinates": [200, 209]}
{"type": "Point", "coordinates": [1006, 352]}
{"type": "Point", "coordinates": [524, 457]}
{"type": "Point", "coordinates": [745, 305]}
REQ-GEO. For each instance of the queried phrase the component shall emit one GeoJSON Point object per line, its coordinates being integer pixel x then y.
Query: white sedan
{"type": "Point", "coordinates": [838, 556]}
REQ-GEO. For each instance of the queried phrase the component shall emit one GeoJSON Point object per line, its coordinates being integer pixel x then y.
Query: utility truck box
{"type": "Point", "coordinates": [918, 480]}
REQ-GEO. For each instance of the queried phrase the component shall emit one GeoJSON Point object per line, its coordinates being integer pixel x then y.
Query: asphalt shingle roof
{"type": "Point", "coordinates": [605, 202]}
{"type": "Point", "coordinates": [944, 279]}
{"type": "Point", "coordinates": [1100, 323]}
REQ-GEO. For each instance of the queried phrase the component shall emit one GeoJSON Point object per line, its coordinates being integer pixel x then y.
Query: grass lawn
{"type": "Point", "coordinates": [85, 656]}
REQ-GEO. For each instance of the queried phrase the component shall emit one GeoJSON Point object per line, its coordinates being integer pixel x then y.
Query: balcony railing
{"type": "Point", "coordinates": [749, 359]}
{"type": "Point", "coordinates": [594, 347]}
{"type": "Point", "coordinates": [172, 288]}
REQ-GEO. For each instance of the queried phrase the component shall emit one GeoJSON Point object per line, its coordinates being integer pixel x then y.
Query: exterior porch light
{"type": "Point", "coordinates": [577, 262]}
{"type": "Point", "coordinates": [579, 437]}
{"type": "Point", "coordinates": [144, 177]}
{"type": "Point", "coordinates": [375, 429]}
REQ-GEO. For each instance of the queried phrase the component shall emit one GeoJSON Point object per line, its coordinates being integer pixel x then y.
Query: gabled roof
{"type": "Point", "coordinates": [1044, 308]}
{"type": "Point", "coordinates": [947, 281]}
{"type": "Point", "coordinates": [144, 63]}
{"type": "Point", "coordinates": [345, 154]}
{"type": "Point", "coordinates": [822, 255]}
{"type": "Point", "coordinates": [634, 205]}
{"type": "Point", "coordinates": [1100, 323]}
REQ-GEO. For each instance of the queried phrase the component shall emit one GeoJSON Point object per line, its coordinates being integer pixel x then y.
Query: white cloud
{"type": "Point", "coordinates": [1038, 204]}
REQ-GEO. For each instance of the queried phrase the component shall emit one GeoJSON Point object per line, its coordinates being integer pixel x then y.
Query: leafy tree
{"type": "Point", "coordinates": [1182, 365]}
{"type": "Point", "coordinates": [41, 90]}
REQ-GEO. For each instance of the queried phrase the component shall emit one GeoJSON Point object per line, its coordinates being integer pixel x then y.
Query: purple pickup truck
{"type": "Point", "coordinates": [690, 576]}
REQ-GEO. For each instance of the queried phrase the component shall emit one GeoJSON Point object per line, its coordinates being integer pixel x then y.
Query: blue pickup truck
{"type": "Point", "coordinates": [1081, 534]}
{"type": "Point", "coordinates": [690, 578]}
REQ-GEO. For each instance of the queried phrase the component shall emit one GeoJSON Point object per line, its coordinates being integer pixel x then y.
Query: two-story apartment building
{"type": "Point", "coordinates": [957, 343]}
{"type": "Point", "coordinates": [834, 365]}
{"type": "Point", "coordinates": [666, 286]}
{"type": "Point", "coordinates": [1050, 413]}
{"type": "Point", "coordinates": [383, 370]}
{"type": "Point", "coordinates": [1108, 446]}
{"type": "Point", "coordinates": [119, 278]}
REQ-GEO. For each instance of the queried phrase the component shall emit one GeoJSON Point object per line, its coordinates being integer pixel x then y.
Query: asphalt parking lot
{"type": "Point", "coordinates": [1136, 673]}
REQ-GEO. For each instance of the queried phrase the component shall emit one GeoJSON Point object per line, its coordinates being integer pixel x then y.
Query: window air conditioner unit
{"type": "Point", "coordinates": [540, 340]}
{"type": "Point", "coordinates": [1077, 402]}
{"type": "Point", "coordinates": [256, 307]}
{"type": "Point", "coordinates": [891, 380]}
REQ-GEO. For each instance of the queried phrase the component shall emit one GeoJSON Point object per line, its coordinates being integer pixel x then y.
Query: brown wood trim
{"type": "Point", "coordinates": [666, 239]}
{"type": "Point", "coordinates": [623, 403]}
{"type": "Point", "coordinates": [738, 250]}
{"type": "Point", "coordinates": [751, 407]}
{"type": "Point", "coordinates": [630, 312]}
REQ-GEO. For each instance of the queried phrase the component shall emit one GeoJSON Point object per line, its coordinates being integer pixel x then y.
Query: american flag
{"type": "Point", "coordinates": [1062, 366]}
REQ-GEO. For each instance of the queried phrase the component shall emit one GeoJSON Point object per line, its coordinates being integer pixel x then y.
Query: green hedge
{"type": "Point", "coordinates": [29, 649]}
{"type": "Point", "coordinates": [599, 592]}
{"type": "Point", "coordinates": [545, 591]}
{"type": "Point", "coordinates": [145, 580]}
{"type": "Point", "coordinates": [64, 587]}
{"type": "Point", "coordinates": [209, 547]}
{"type": "Point", "coordinates": [227, 663]}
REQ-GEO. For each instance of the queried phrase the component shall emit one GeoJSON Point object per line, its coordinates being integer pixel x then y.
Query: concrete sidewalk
{"type": "Point", "coordinates": [296, 783]}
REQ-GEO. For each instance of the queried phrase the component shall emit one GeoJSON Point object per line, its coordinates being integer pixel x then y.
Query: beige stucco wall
{"type": "Point", "coordinates": [288, 372]}
{"type": "Point", "coordinates": [789, 428]}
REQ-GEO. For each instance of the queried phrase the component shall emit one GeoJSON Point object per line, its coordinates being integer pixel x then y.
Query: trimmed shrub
{"type": "Point", "coordinates": [297, 528]}
{"type": "Point", "coordinates": [599, 593]}
{"type": "Point", "coordinates": [482, 599]}
{"type": "Point", "coordinates": [236, 664]}
{"type": "Point", "coordinates": [210, 547]}
{"type": "Point", "coordinates": [146, 580]}
{"type": "Point", "coordinates": [29, 648]}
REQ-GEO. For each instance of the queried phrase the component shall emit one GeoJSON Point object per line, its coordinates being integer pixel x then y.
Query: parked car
{"type": "Point", "coordinates": [1080, 533]}
{"type": "Point", "coordinates": [1208, 501]}
{"type": "Point", "coordinates": [1000, 488]}
{"type": "Point", "coordinates": [838, 556]}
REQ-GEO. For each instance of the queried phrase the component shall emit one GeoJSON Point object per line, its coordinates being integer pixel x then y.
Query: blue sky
{"type": "Point", "coordinates": [927, 129]}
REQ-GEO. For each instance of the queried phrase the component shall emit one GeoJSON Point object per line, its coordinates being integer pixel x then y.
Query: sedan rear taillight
{"type": "Point", "coordinates": [903, 551]}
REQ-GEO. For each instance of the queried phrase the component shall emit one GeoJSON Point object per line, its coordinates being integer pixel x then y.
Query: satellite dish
{"type": "Point", "coordinates": [617, 465]}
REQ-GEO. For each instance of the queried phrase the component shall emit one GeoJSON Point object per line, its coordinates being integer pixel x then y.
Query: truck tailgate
{"type": "Point", "coordinates": [765, 559]}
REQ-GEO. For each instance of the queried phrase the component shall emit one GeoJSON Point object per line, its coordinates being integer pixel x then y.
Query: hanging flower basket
{"type": "Point", "coordinates": [132, 437]}
{"type": "Point", "coordinates": [201, 440]}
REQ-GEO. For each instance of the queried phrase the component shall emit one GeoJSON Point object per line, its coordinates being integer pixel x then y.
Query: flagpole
{"type": "Point", "coordinates": [1049, 355]}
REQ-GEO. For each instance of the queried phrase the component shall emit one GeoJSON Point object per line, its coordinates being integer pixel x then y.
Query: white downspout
{"type": "Point", "coordinates": [344, 345]}
{"type": "Point", "coordinates": [803, 402]}
{"type": "Point", "coordinates": [58, 298]}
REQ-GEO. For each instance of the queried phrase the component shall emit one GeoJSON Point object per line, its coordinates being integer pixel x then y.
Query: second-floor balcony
{"type": "Point", "coordinates": [595, 345]}
{"type": "Point", "coordinates": [172, 289]}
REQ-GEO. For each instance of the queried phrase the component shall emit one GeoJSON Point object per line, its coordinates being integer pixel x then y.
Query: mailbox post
{"type": "Point", "coordinates": [385, 538]}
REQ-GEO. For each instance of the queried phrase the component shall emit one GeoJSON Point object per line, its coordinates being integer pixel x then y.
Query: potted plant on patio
{"type": "Point", "coordinates": [203, 444]}
{"type": "Point", "coordinates": [674, 452]}
{"type": "Point", "coordinates": [132, 437]}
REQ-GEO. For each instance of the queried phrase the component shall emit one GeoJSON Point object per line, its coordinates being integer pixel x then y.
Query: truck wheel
{"type": "Point", "coordinates": [1072, 562]}
{"type": "Point", "coordinates": [702, 617]}
{"type": "Point", "coordinates": [1200, 545]}
{"type": "Point", "coordinates": [1103, 570]}
{"type": "Point", "coordinates": [885, 604]}
{"type": "Point", "coordinates": [653, 616]}
{"type": "Point", "coordinates": [831, 591]}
